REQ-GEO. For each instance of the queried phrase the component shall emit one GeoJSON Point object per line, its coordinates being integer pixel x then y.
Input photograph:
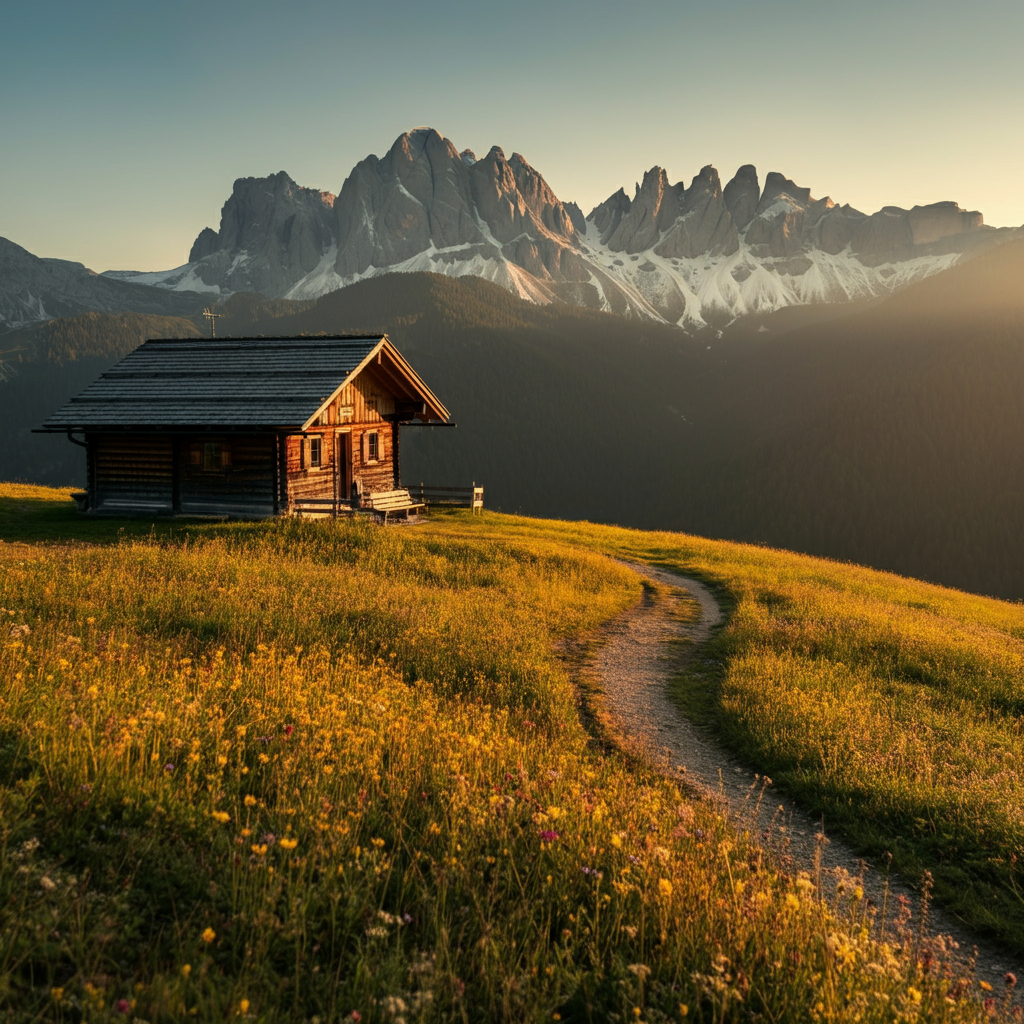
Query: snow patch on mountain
{"type": "Point", "coordinates": [743, 283]}
{"type": "Point", "coordinates": [181, 279]}
{"type": "Point", "coordinates": [694, 255]}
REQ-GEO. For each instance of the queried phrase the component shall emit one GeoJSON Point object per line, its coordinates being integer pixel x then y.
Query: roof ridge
{"type": "Point", "coordinates": [276, 337]}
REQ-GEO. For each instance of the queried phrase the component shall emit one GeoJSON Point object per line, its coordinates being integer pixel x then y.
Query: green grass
{"type": "Point", "coordinates": [300, 771]}
{"type": "Point", "coordinates": [47, 514]}
{"type": "Point", "coordinates": [890, 706]}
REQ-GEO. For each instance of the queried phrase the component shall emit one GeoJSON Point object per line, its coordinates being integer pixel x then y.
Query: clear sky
{"type": "Point", "coordinates": [124, 124]}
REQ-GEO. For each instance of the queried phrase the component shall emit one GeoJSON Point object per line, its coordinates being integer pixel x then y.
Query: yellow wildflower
{"type": "Point", "coordinates": [250, 800]}
{"type": "Point", "coordinates": [243, 1006]}
{"type": "Point", "coordinates": [222, 816]}
{"type": "Point", "coordinates": [616, 841]}
{"type": "Point", "coordinates": [665, 887]}
{"type": "Point", "coordinates": [208, 935]}
{"type": "Point", "coordinates": [186, 970]}
{"type": "Point", "coordinates": [289, 844]}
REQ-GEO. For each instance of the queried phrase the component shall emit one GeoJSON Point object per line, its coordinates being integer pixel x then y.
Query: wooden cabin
{"type": "Point", "coordinates": [246, 427]}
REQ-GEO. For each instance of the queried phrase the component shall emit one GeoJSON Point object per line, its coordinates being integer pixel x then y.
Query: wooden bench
{"type": "Point", "coordinates": [458, 497]}
{"type": "Point", "coordinates": [384, 503]}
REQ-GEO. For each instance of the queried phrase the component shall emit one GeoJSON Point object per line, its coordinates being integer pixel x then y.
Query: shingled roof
{"type": "Point", "coordinates": [236, 383]}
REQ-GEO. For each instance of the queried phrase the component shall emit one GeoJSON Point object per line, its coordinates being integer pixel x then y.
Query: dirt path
{"type": "Point", "coordinates": [632, 670]}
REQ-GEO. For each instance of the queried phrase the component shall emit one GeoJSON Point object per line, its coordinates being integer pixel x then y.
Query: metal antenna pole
{"type": "Point", "coordinates": [212, 317]}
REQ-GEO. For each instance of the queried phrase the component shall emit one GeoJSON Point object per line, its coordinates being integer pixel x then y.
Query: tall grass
{"type": "Point", "coordinates": [329, 772]}
{"type": "Point", "coordinates": [891, 706]}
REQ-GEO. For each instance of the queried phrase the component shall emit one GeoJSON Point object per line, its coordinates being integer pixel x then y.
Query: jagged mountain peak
{"type": "Point", "coordinates": [412, 145]}
{"type": "Point", "coordinates": [741, 195]}
{"type": "Point", "coordinates": [708, 178]}
{"type": "Point", "coordinates": [607, 215]}
{"type": "Point", "coordinates": [777, 186]}
{"type": "Point", "coordinates": [681, 253]}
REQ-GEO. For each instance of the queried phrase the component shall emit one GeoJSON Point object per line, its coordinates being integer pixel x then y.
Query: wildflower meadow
{"type": "Point", "coordinates": [319, 771]}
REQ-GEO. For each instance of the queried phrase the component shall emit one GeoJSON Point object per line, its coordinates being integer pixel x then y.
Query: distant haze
{"type": "Point", "coordinates": [124, 125]}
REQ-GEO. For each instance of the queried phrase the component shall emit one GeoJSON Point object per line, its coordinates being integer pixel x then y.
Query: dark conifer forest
{"type": "Point", "coordinates": [888, 434]}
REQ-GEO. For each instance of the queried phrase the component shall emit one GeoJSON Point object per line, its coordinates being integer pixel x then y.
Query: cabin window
{"type": "Point", "coordinates": [314, 452]}
{"type": "Point", "coordinates": [372, 446]}
{"type": "Point", "coordinates": [211, 455]}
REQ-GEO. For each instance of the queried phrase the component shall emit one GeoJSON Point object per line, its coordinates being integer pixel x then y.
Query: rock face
{"type": "Point", "coordinates": [33, 289]}
{"type": "Point", "coordinates": [741, 196]}
{"type": "Point", "coordinates": [933, 223]}
{"type": "Point", "coordinates": [424, 196]}
{"type": "Point", "coordinates": [704, 224]}
{"type": "Point", "coordinates": [688, 255]}
{"type": "Point", "coordinates": [281, 228]}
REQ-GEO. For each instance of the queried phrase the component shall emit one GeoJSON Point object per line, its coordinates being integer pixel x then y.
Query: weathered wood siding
{"type": "Point", "coordinates": [373, 407]}
{"type": "Point", "coordinates": [230, 475]}
{"type": "Point", "coordinates": [364, 400]}
{"type": "Point", "coordinates": [363, 407]}
{"type": "Point", "coordinates": [306, 482]}
{"type": "Point", "coordinates": [131, 473]}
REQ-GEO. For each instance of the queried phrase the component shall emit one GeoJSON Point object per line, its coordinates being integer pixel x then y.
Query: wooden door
{"type": "Point", "coordinates": [343, 455]}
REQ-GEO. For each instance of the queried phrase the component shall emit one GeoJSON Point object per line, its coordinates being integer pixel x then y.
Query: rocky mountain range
{"type": "Point", "coordinates": [34, 289]}
{"type": "Point", "coordinates": [689, 255]}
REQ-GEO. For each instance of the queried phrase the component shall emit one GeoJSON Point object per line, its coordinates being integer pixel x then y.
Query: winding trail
{"type": "Point", "coordinates": [642, 652]}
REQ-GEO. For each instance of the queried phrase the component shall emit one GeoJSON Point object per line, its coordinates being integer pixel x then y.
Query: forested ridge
{"type": "Point", "coordinates": [888, 435]}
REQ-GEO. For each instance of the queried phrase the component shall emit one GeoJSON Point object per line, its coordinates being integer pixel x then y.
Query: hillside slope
{"type": "Point", "coordinates": [886, 434]}
{"type": "Point", "coordinates": [890, 437]}
{"type": "Point", "coordinates": [223, 799]}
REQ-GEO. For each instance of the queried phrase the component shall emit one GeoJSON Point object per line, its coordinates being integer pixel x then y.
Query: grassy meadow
{"type": "Point", "coordinates": [332, 772]}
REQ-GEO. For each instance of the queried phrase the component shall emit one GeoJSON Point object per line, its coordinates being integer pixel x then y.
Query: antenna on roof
{"type": "Point", "coordinates": [212, 317]}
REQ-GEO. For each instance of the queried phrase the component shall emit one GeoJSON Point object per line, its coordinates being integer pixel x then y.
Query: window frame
{"type": "Point", "coordinates": [211, 456]}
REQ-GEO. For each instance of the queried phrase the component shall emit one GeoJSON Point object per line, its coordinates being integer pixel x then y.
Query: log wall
{"type": "Point", "coordinates": [201, 474]}
{"type": "Point", "coordinates": [131, 474]}
{"type": "Point", "coordinates": [230, 475]}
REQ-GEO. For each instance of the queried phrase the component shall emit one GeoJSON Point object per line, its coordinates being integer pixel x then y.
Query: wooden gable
{"type": "Point", "coordinates": [382, 386]}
